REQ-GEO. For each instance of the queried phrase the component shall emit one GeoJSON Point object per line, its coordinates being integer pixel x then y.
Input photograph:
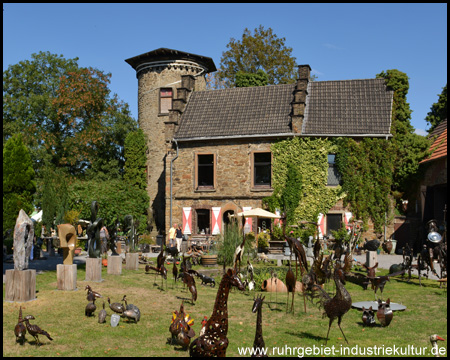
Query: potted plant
{"type": "Point", "coordinates": [263, 242]}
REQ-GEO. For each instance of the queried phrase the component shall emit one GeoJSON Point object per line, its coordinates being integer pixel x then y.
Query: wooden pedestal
{"type": "Point", "coordinates": [132, 261]}
{"type": "Point", "coordinates": [115, 265]}
{"type": "Point", "coordinates": [94, 269]}
{"type": "Point", "coordinates": [66, 277]}
{"type": "Point", "coordinates": [20, 285]}
{"type": "Point", "coordinates": [371, 258]}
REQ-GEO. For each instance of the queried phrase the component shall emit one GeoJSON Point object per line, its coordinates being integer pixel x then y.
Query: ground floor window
{"type": "Point", "coordinates": [334, 223]}
{"type": "Point", "coordinates": [203, 221]}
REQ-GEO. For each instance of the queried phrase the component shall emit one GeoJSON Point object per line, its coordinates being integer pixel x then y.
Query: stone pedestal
{"type": "Point", "coordinates": [20, 285]}
{"type": "Point", "coordinates": [66, 276]}
{"type": "Point", "coordinates": [94, 269]}
{"type": "Point", "coordinates": [371, 258]}
{"type": "Point", "coordinates": [115, 265]}
{"type": "Point", "coordinates": [132, 261]}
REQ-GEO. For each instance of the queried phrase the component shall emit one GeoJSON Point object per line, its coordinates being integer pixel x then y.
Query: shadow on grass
{"type": "Point", "coordinates": [305, 335]}
{"type": "Point", "coordinates": [360, 323]}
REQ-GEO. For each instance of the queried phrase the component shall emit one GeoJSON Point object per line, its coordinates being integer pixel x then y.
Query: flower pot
{"type": "Point", "coordinates": [105, 262]}
{"type": "Point", "coordinates": [273, 285]}
{"type": "Point", "coordinates": [209, 260]}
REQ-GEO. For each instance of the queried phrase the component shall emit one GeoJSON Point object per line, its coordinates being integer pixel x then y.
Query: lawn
{"type": "Point", "coordinates": [61, 314]}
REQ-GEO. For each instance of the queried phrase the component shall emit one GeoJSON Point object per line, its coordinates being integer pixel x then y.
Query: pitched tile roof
{"type": "Point", "coordinates": [350, 107]}
{"type": "Point", "coordinates": [440, 143]}
{"type": "Point", "coordinates": [237, 112]}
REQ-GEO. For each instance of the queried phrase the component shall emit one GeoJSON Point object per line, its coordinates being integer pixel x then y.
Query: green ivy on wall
{"type": "Point", "coordinates": [309, 156]}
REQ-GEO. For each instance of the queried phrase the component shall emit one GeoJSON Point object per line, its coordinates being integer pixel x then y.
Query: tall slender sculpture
{"type": "Point", "coordinates": [23, 241]}
{"type": "Point", "coordinates": [131, 226]}
{"type": "Point", "coordinates": [93, 232]}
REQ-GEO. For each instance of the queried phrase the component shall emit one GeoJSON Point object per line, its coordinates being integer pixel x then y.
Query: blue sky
{"type": "Point", "coordinates": [338, 41]}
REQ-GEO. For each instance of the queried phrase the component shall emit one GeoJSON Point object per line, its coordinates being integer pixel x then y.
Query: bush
{"type": "Point", "coordinates": [230, 240]}
{"type": "Point", "coordinates": [263, 239]}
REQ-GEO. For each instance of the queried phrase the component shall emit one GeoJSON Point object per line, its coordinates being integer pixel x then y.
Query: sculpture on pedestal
{"type": "Point", "coordinates": [131, 226]}
{"type": "Point", "coordinates": [23, 241]}
{"type": "Point", "coordinates": [93, 232]}
{"type": "Point", "coordinates": [68, 240]}
{"type": "Point", "coordinates": [113, 237]}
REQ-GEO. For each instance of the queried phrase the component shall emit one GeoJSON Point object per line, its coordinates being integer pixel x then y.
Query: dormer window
{"type": "Point", "coordinates": [165, 100]}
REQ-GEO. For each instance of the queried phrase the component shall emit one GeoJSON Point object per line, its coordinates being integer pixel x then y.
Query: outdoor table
{"type": "Point", "coordinates": [367, 304]}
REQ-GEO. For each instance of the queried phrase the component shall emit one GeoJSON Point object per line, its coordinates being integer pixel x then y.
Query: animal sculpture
{"type": "Point", "coordinates": [35, 330]}
{"type": "Point", "coordinates": [181, 328]}
{"type": "Point", "coordinates": [91, 294]}
{"type": "Point", "coordinates": [258, 343]}
{"type": "Point", "coordinates": [116, 307]}
{"type": "Point", "coordinates": [214, 341]}
{"type": "Point", "coordinates": [290, 284]}
{"type": "Point", "coordinates": [368, 318]}
{"type": "Point", "coordinates": [434, 339]}
{"type": "Point", "coordinates": [90, 308]}
{"type": "Point", "coordinates": [102, 315]}
{"type": "Point", "coordinates": [20, 330]}
{"type": "Point", "coordinates": [131, 311]}
{"type": "Point", "coordinates": [384, 312]}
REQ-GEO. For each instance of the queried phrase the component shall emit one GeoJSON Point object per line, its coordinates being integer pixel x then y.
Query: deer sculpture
{"type": "Point", "coordinates": [258, 344]}
{"type": "Point", "coordinates": [214, 341]}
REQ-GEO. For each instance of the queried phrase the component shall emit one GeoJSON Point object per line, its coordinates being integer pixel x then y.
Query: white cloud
{"type": "Point", "coordinates": [421, 132]}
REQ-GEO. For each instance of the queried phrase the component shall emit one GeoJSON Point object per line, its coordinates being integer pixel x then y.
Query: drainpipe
{"type": "Point", "coordinates": [171, 171]}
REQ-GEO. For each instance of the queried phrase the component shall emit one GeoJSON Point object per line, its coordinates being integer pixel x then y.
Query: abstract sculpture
{"type": "Point", "coordinates": [93, 232]}
{"type": "Point", "coordinates": [214, 341]}
{"type": "Point", "coordinates": [68, 240]}
{"type": "Point", "coordinates": [23, 241]}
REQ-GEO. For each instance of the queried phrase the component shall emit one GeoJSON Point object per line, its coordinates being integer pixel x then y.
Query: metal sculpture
{"type": "Point", "coordinates": [20, 330]}
{"type": "Point", "coordinates": [384, 312]}
{"type": "Point", "coordinates": [116, 307]}
{"type": "Point", "coordinates": [239, 252]}
{"type": "Point", "coordinates": [297, 248]}
{"type": "Point", "coordinates": [90, 308]}
{"type": "Point", "coordinates": [23, 241]}
{"type": "Point", "coordinates": [258, 344]}
{"type": "Point", "coordinates": [434, 339]}
{"type": "Point", "coordinates": [91, 294]}
{"type": "Point", "coordinates": [35, 330]}
{"type": "Point", "coordinates": [160, 268]}
{"type": "Point", "coordinates": [112, 230]}
{"type": "Point", "coordinates": [181, 328]}
{"type": "Point", "coordinates": [93, 232]}
{"type": "Point", "coordinates": [68, 240]}
{"type": "Point", "coordinates": [131, 310]}
{"type": "Point", "coordinates": [368, 316]}
{"type": "Point", "coordinates": [130, 226]}
{"type": "Point", "coordinates": [379, 282]}
{"type": "Point", "coordinates": [102, 315]}
{"type": "Point", "coordinates": [341, 303]}
{"type": "Point", "coordinates": [188, 279]}
{"type": "Point", "coordinates": [214, 341]}
{"type": "Point", "coordinates": [291, 281]}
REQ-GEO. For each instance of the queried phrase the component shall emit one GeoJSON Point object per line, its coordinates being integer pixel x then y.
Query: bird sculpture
{"type": "Point", "coordinates": [379, 282]}
{"type": "Point", "coordinates": [435, 349]}
{"type": "Point", "coordinates": [239, 253]}
{"type": "Point", "coordinates": [102, 315]}
{"type": "Point", "coordinates": [35, 330]}
{"type": "Point", "coordinates": [20, 330]}
{"type": "Point", "coordinates": [91, 294]}
{"type": "Point", "coordinates": [133, 308]}
{"type": "Point", "coordinates": [130, 314]}
{"type": "Point", "coordinates": [90, 308]}
{"type": "Point", "coordinates": [175, 271]}
{"type": "Point", "coordinates": [371, 245]}
{"type": "Point", "coordinates": [297, 248]}
{"type": "Point", "coordinates": [290, 284]}
{"type": "Point", "coordinates": [251, 283]}
{"type": "Point", "coordinates": [116, 307]}
{"type": "Point", "coordinates": [368, 318]}
{"type": "Point", "coordinates": [258, 344]}
{"type": "Point", "coordinates": [188, 279]}
{"type": "Point", "coordinates": [204, 321]}
{"type": "Point", "coordinates": [181, 328]}
{"type": "Point", "coordinates": [384, 312]}
{"type": "Point", "coordinates": [160, 268]}
{"type": "Point", "coordinates": [340, 304]}
{"type": "Point", "coordinates": [214, 341]}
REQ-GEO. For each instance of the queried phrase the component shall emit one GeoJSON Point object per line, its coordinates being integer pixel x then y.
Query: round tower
{"type": "Point", "coordinates": [159, 75]}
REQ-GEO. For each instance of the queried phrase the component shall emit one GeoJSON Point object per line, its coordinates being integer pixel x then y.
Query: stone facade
{"type": "Point", "coordinates": [150, 81]}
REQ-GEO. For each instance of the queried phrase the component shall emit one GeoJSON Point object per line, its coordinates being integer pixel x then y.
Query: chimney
{"type": "Point", "coordinates": [300, 93]}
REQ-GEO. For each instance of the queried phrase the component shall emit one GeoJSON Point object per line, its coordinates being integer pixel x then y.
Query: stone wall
{"type": "Point", "coordinates": [152, 123]}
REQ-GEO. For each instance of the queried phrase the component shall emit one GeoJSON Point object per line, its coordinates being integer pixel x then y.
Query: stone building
{"type": "Point", "coordinates": [210, 149]}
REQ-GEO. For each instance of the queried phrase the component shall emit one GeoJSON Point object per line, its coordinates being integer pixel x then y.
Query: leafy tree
{"type": "Point", "coordinates": [262, 50]}
{"type": "Point", "coordinates": [408, 148]}
{"type": "Point", "coordinates": [70, 119]}
{"type": "Point", "coordinates": [136, 159]}
{"type": "Point", "coordinates": [18, 181]}
{"type": "Point", "coordinates": [438, 111]}
{"type": "Point", "coordinates": [247, 79]}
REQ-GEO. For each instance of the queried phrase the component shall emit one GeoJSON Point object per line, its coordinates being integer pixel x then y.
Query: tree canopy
{"type": "Point", "coordinates": [260, 50]}
{"type": "Point", "coordinates": [244, 79]}
{"type": "Point", "coordinates": [438, 111]}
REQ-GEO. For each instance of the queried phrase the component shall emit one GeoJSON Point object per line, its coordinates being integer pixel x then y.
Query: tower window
{"type": "Point", "coordinates": [165, 100]}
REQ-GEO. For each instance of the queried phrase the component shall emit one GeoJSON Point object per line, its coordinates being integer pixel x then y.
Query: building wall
{"type": "Point", "coordinates": [152, 123]}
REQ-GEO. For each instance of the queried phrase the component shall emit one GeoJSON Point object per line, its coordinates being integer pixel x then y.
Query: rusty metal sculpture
{"type": "Point", "coordinates": [130, 226]}
{"type": "Point", "coordinates": [181, 328]}
{"type": "Point", "coordinates": [214, 341]}
{"type": "Point", "coordinates": [291, 281]}
{"type": "Point", "coordinates": [384, 312]}
{"type": "Point", "coordinates": [297, 247]}
{"type": "Point", "coordinates": [379, 282]}
{"type": "Point", "coordinates": [368, 316]}
{"type": "Point", "coordinates": [188, 279]}
{"type": "Point", "coordinates": [239, 252]}
{"type": "Point", "coordinates": [68, 240]}
{"type": "Point", "coordinates": [341, 303]}
{"type": "Point", "coordinates": [258, 344]}
{"type": "Point", "coordinates": [35, 330]}
{"type": "Point", "coordinates": [20, 330]}
{"type": "Point", "coordinates": [160, 268]}
{"type": "Point", "coordinates": [93, 232]}
{"type": "Point", "coordinates": [91, 294]}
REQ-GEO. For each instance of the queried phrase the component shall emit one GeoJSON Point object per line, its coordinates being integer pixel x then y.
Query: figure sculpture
{"type": "Point", "coordinates": [93, 232]}
{"type": "Point", "coordinates": [214, 341]}
{"type": "Point", "coordinates": [68, 240]}
{"type": "Point", "coordinates": [258, 343]}
{"type": "Point", "coordinates": [23, 241]}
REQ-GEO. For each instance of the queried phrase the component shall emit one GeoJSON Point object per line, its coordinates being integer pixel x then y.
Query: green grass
{"type": "Point", "coordinates": [61, 313]}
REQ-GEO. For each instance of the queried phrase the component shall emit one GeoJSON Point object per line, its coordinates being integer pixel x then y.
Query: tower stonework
{"type": "Point", "coordinates": [156, 70]}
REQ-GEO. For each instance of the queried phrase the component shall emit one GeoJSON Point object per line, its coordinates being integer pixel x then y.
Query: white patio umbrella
{"type": "Point", "coordinates": [257, 213]}
{"type": "Point", "coordinates": [37, 216]}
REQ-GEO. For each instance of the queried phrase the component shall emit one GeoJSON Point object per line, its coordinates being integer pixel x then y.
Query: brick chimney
{"type": "Point", "coordinates": [178, 105]}
{"type": "Point", "coordinates": [300, 93]}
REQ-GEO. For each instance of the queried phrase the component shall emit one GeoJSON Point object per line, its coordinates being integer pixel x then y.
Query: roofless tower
{"type": "Point", "coordinates": [160, 73]}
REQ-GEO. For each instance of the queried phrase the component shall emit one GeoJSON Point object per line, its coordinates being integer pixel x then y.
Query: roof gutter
{"type": "Point", "coordinates": [234, 137]}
